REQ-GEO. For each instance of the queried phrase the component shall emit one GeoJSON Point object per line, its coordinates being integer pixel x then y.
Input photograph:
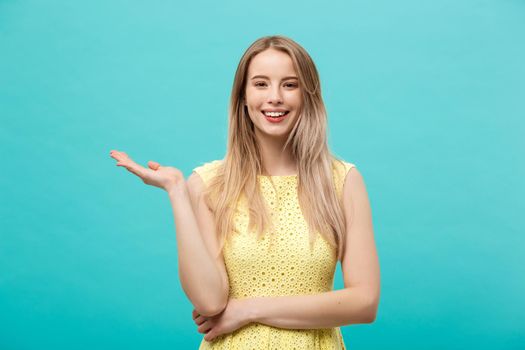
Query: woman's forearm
{"type": "Point", "coordinates": [324, 310]}
{"type": "Point", "coordinates": [199, 275]}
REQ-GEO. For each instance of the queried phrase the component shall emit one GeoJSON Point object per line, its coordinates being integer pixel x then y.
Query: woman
{"type": "Point", "coordinates": [259, 233]}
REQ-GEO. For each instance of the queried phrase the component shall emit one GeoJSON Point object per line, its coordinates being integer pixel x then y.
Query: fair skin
{"type": "Point", "coordinates": [205, 283]}
{"type": "Point", "coordinates": [273, 85]}
{"type": "Point", "coordinates": [356, 303]}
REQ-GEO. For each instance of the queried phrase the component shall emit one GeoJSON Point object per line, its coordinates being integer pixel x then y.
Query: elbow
{"type": "Point", "coordinates": [371, 311]}
{"type": "Point", "coordinates": [210, 309]}
{"type": "Point", "coordinates": [213, 306]}
{"type": "Point", "coordinates": [370, 318]}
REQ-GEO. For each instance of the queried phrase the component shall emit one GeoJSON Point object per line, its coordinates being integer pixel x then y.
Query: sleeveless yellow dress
{"type": "Point", "coordinates": [279, 264]}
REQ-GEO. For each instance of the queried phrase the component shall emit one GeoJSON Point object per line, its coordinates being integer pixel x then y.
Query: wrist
{"type": "Point", "coordinates": [253, 309]}
{"type": "Point", "coordinates": [177, 189]}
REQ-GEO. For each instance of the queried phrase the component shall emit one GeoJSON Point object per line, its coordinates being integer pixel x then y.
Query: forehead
{"type": "Point", "coordinates": [272, 63]}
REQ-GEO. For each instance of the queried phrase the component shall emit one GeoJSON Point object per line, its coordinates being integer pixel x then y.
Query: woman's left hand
{"type": "Point", "coordinates": [234, 316]}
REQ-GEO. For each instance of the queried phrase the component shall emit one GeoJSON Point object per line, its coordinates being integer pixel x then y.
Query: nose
{"type": "Point", "coordinates": [274, 95]}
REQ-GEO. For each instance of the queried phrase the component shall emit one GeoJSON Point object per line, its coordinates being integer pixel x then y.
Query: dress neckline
{"type": "Point", "coordinates": [277, 176]}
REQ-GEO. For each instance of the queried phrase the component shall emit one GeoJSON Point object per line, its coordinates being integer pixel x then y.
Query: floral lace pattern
{"type": "Point", "coordinates": [281, 263]}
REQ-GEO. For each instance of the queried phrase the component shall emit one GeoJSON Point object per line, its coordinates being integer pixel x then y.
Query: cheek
{"type": "Point", "coordinates": [252, 109]}
{"type": "Point", "coordinates": [295, 99]}
{"type": "Point", "coordinates": [252, 112]}
{"type": "Point", "coordinates": [252, 103]}
{"type": "Point", "coordinates": [253, 96]}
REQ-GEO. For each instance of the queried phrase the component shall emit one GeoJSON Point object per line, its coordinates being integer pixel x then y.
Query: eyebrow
{"type": "Point", "coordinates": [265, 77]}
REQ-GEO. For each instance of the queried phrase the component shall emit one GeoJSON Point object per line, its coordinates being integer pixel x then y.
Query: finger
{"type": "Point", "coordinates": [135, 170]}
{"type": "Point", "coordinates": [194, 314]}
{"type": "Point", "coordinates": [200, 320]}
{"type": "Point", "coordinates": [130, 165]}
{"type": "Point", "coordinates": [121, 160]}
{"type": "Point", "coordinates": [115, 155]}
{"type": "Point", "coordinates": [153, 165]}
{"type": "Point", "coordinates": [121, 157]}
{"type": "Point", "coordinates": [205, 327]}
{"type": "Point", "coordinates": [118, 155]}
{"type": "Point", "coordinates": [210, 335]}
{"type": "Point", "coordinates": [133, 167]}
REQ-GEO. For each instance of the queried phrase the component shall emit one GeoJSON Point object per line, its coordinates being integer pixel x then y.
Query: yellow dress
{"type": "Point", "coordinates": [285, 267]}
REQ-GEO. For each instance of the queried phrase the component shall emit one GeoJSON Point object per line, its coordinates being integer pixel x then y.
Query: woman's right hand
{"type": "Point", "coordinates": [155, 175]}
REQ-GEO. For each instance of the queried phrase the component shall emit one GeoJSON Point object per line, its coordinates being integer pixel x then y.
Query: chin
{"type": "Point", "coordinates": [277, 135]}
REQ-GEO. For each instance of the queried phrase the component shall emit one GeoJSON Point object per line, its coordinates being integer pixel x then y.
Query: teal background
{"type": "Point", "coordinates": [425, 97]}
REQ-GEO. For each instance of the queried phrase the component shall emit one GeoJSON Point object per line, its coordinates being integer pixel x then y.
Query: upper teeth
{"type": "Point", "coordinates": [274, 114]}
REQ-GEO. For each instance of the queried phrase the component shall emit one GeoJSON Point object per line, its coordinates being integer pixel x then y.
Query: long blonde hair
{"type": "Point", "coordinates": [237, 174]}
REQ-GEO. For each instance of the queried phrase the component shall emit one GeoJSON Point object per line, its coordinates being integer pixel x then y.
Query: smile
{"type": "Point", "coordinates": [275, 114]}
{"type": "Point", "coordinates": [275, 117]}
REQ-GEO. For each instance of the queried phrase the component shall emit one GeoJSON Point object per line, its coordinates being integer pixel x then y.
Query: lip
{"type": "Point", "coordinates": [275, 120]}
{"type": "Point", "coordinates": [274, 110]}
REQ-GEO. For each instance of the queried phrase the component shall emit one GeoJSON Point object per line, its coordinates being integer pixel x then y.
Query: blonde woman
{"type": "Point", "coordinates": [259, 233]}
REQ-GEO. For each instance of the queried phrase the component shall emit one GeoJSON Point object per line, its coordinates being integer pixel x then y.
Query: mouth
{"type": "Point", "coordinates": [275, 116]}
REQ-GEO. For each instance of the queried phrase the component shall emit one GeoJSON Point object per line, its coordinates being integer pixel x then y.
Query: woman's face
{"type": "Point", "coordinates": [273, 94]}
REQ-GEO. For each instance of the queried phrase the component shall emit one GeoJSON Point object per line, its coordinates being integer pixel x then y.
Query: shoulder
{"type": "Point", "coordinates": [207, 166]}
{"type": "Point", "coordinates": [342, 166]}
{"type": "Point", "coordinates": [353, 186]}
{"type": "Point", "coordinates": [203, 173]}
{"type": "Point", "coordinates": [341, 171]}
{"type": "Point", "coordinates": [353, 191]}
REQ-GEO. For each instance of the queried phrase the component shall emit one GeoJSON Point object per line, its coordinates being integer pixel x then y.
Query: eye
{"type": "Point", "coordinates": [291, 85]}
{"type": "Point", "coordinates": [260, 83]}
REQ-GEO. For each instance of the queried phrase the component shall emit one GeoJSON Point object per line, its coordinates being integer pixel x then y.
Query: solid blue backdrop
{"type": "Point", "coordinates": [425, 97]}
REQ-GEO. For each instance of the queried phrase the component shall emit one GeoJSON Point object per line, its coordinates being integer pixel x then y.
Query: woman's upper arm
{"type": "Point", "coordinates": [206, 223]}
{"type": "Point", "coordinates": [360, 263]}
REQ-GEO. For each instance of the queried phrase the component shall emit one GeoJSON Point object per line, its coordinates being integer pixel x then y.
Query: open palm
{"type": "Point", "coordinates": [156, 175]}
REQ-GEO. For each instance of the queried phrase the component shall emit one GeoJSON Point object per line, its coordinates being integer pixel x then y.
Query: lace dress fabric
{"type": "Point", "coordinates": [279, 264]}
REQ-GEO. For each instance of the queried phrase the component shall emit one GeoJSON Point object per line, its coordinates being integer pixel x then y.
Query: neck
{"type": "Point", "coordinates": [276, 160]}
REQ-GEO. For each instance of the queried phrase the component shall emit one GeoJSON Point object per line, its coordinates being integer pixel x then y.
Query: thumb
{"type": "Point", "coordinates": [153, 165]}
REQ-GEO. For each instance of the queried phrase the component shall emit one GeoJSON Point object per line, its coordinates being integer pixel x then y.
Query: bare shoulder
{"type": "Point", "coordinates": [205, 173]}
{"type": "Point", "coordinates": [355, 199]}
{"type": "Point", "coordinates": [354, 182]}
{"type": "Point", "coordinates": [195, 183]}
{"type": "Point", "coordinates": [196, 186]}
{"type": "Point", "coordinates": [201, 176]}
